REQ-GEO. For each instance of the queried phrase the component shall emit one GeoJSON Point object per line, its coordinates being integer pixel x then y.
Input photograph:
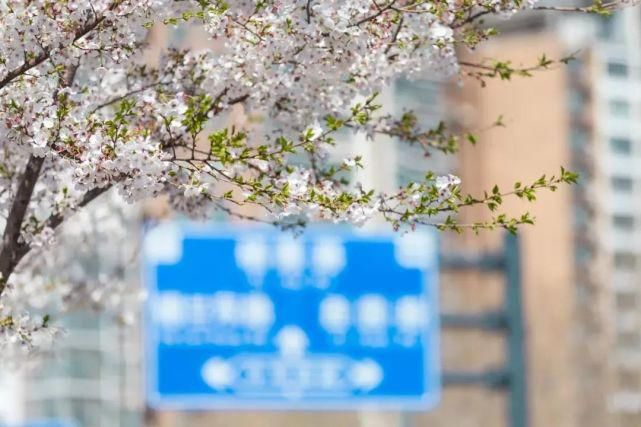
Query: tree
{"type": "Point", "coordinates": [81, 116]}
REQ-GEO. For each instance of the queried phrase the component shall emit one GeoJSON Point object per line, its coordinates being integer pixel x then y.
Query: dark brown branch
{"type": "Point", "coordinates": [308, 11]}
{"type": "Point", "coordinates": [398, 29]}
{"type": "Point", "coordinates": [473, 18]}
{"type": "Point", "coordinates": [381, 10]}
{"type": "Point", "coordinates": [10, 250]}
{"type": "Point", "coordinates": [19, 249]}
{"type": "Point", "coordinates": [56, 219]}
{"type": "Point", "coordinates": [126, 95]}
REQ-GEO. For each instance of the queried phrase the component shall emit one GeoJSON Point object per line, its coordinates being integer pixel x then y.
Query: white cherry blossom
{"type": "Point", "coordinates": [82, 115]}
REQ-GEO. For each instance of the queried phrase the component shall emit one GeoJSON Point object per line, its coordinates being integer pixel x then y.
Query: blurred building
{"type": "Point", "coordinates": [615, 72]}
{"type": "Point", "coordinates": [581, 260]}
{"type": "Point", "coordinates": [92, 379]}
{"type": "Point", "coordinates": [532, 142]}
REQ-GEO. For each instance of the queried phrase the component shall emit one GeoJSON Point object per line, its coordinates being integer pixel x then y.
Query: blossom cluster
{"type": "Point", "coordinates": [75, 94]}
{"type": "Point", "coordinates": [82, 114]}
{"type": "Point", "coordinates": [91, 267]}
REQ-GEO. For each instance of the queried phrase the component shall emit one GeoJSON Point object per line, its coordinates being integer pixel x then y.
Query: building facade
{"type": "Point", "coordinates": [616, 97]}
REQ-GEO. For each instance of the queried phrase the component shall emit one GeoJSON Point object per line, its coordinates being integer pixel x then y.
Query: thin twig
{"type": "Point", "coordinates": [381, 10]}
{"type": "Point", "coordinates": [46, 53]}
{"type": "Point", "coordinates": [308, 9]}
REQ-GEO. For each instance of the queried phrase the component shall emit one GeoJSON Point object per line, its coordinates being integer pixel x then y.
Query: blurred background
{"type": "Point", "coordinates": [579, 265]}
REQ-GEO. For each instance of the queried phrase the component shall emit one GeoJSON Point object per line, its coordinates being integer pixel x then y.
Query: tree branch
{"type": "Point", "coordinates": [17, 250]}
{"type": "Point", "coordinates": [308, 11]}
{"type": "Point", "coordinates": [595, 8]}
{"type": "Point", "coordinates": [381, 10]}
{"type": "Point", "coordinates": [45, 54]}
{"type": "Point", "coordinates": [56, 219]}
{"type": "Point", "coordinates": [126, 95]}
{"type": "Point", "coordinates": [10, 250]}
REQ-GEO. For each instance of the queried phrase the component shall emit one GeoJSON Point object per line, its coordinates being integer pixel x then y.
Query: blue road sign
{"type": "Point", "coordinates": [251, 318]}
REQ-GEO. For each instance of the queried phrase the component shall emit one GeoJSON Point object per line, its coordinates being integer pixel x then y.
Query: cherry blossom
{"type": "Point", "coordinates": [83, 117]}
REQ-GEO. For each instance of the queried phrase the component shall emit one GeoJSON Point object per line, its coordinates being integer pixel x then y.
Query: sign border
{"type": "Point", "coordinates": [199, 402]}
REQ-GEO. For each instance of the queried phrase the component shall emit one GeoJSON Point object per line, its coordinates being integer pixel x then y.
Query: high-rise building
{"type": "Point", "coordinates": [91, 377]}
{"type": "Point", "coordinates": [615, 91]}
{"type": "Point", "coordinates": [91, 380]}
{"type": "Point", "coordinates": [581, 260]}
{"type": "Point", "coordinates": [532, 142]}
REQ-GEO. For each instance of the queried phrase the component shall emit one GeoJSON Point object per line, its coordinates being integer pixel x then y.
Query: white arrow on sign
{"type": "Point", "coordinates": [218, 373]}
{"type": "Point", "coordinates": [366, 374]}
{"type": "Point", "coordinates": [291, 341]}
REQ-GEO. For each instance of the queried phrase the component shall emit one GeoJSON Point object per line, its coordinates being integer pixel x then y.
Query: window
{"type": "Point", "coordinates": [617, 69]}
{"type": "Point", "coordinates": [623, 222]}
{"type": "Point", "coordinates": [629, 340]}
{"type": "Point", "coordinates": [422, 97]}
{"type": "Point", "coordinates": [578, 138]}
{"type": "Point", "coordinates": [625, 260]}
{"type": "Point", "coordinates": [576, 101]}
{"type": "Point", "coordinates": [582, 255]}
{"type": "Point", "coordinates": [619, 107]}
{"type": "Point", "coordinates": [427, 91]}
{"type": "Point", "coordinates": [626, 301]}
{"type": "Point", "coordinates": [630, 402]}
{"type": "Point", "coordinates": [76, 363]}
{"type": "Point", "coordinates": [405, 175]}
{"type": "Point", "coordinates": [87, 412]}
{"type": "Point", "coordinates": [622, 184]}
{"type": "Point", "coordinates": [581, 216]}
{"type": "Point", "coordinates": [611, 28]}
{"type": "Point", "coordinates": [82, 320]}
{"type": "Point", "coordinates": [621, 145]}
{"type": "Point", "coordinates": [628, 379]}
{"type": "Point", "coordinates": [177, 37]}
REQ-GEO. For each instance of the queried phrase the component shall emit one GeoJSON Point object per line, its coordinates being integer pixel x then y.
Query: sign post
{"type": "Point", "coordinates": [253, 318]}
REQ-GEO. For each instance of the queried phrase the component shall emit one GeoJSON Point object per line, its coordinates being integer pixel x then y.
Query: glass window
{"type": "Point", "coordinates": [406, 175]}
{"type": "Point", "coordinates": [576, 101]}
{"type": "Point", "coordinates": [619, 107]}
{"type": "Point", "coordinates": [581, 216]}
{"type": "Point", "coordinates": [53, 408]}
{"type": "Point", "coordinates": [625, 260]}
{"type": "Point", "coordinates": [88, 412]}
{"type": "Point", "coordinates": [626, 301]}
{"type": "Point", "coordinates": [576, 67]}
{"type": "Point", "coordinates": [578, 138]}
{"type": "Point", "coordinates": [41, 409]}
{"type": "Point", "coordinates": [606, 29]}
{"type": "Point", "coordinates": [629, 340]}
{"type": "Point", "coordinates": [177, 37]}
{"type": "Point", "coordinates": [582, 254]}
{"type": "Point", "coordinates": [621, 145]}
{"type": "Point", "coordinates": [617, 69]}
{"type": "Point", "coordinates": [427, 91]}
{"type": "Point", "coordinates": [623, 222]}
{"type": "Point", "coordinates": [82, 320]}
{"type": "Point", "coordinates": [628, 379]}
{"type": "Point", "coordinates": [422, 97]}
{"type": "Point", "coordinates": [611, 27]}
{"type": "Point", "coordinates": [76, 363]}
{"type": "Point", "coordinates": [622, 184]}
{"type": "Point", "coordinates": [629, 419]}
